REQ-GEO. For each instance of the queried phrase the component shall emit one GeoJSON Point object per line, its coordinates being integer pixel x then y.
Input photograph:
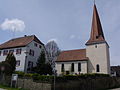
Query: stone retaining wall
{"type": "Point", "coordinates": [81, 84]}
{"type": "Point", "coordinates": [29, 84]}
{"type": "Point", "coordinates": [89, 84]}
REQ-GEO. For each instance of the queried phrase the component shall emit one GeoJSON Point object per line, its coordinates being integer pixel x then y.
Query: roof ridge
{"type": "Point", "coordinates": [74, 50]}
{"type": "Point", "coordinates": [20, 41]}
{"type": "Point", "coordinates": [22, 37]}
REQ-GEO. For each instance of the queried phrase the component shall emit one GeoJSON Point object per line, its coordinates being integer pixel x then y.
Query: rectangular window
{"type": "Point", "coordinates": [5, 52]}
{"type": "Point", "coordinates": [72, 67]}
{"type": "Point", "coordinates": [35, 44]}
{"type": "Point", "coordinates": [79, 67]}
{"type": "Point", "coordinates": [31, 52]}
{"type": "Point", "coordinates": [11, 51]}
{"type": "Point", "coordinates": [17, 63]}
{"type": "Point", "coordinates": [18, 51]}
{"type": "Point", "coordinates": [0, 53]}
{"type": "Point", "coordinates": [62, 68]}
{"type": "Point", "coordinates": [40, 46]}
{"type": "Point", "coordinates": [30, 64]}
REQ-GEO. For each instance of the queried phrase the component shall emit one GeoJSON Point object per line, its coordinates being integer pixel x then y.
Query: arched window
{"type": "Point", "coordinates": [97, 68]}
{"type": "Point", "coordinates": [79, 67]}
{"type": "Point", "coordinates": [62, 68]}
{"type": "Point", "coordinates": [72, 67]}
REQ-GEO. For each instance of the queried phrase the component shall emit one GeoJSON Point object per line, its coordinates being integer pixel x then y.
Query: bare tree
{"type": "Point", "coordinates": [52, 52]}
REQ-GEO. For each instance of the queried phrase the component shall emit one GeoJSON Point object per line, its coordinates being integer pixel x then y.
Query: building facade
{"type": "Point", "coordinates": [26, 50]}
{"type": "Point", "coordinates": [94, 59]}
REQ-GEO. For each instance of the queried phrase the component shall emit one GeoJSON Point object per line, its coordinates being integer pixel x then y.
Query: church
{"type": "Point", "coordinates": [93, 59]}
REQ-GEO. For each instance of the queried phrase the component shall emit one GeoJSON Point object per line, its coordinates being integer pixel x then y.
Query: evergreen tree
{"type": "Point", "coordinates": [41, 59]}
{"type": "Point", "coordinates": [42, 67]}
{"type": "Point", "coordinates": [11, 60]}
{"type": "Point", "coordinates": [7, 68]}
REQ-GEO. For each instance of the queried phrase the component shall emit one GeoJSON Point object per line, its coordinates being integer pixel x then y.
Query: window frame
{"type": "Point", "coordinates": [30, 64]}
{"type": "Point", "coordinates": [5, 52]}
{"type": "Point", "coordinates": [31, 52]}
{"type": "Point", "coordinates": [11, 51]}
{"type": "Point", "coordinates": [17, 63]}
{"type": "Point", "coordinates": [18, 51]}
{"type": "Point", "coordinates": [35, 44]}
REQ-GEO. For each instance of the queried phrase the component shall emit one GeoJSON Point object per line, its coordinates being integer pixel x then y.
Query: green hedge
{"type": "Point", "coordinates": [35, 76]}
{"type": "Point", "coordinates": [38, 77]}
{"type": "Point", "coordinates": [20, 74]}
{"type": "Point", "coordinates": [82, 76]}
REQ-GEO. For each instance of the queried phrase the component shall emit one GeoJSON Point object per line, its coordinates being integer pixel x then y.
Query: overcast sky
{"type": "Point", "coordinates": [66, 21]}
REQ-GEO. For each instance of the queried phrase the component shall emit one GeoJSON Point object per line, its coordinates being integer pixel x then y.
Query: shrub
{"type": "Point", "coordinates": [38, 77]}
{"type": "Point", "coordinates": [28, 75]}
{"type": "Point", "coordinates": [82, 76]}
{"type": "Point", "coordinates": [94, 75]}
{"type": "Point", "coordinates": [7, 68]}
{"type": "Point", "coordinates": [20, 74]}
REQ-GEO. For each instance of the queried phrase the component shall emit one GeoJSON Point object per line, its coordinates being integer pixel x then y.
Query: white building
{"type": "Point", "coordinates": [93, 59]}
{"type": "Point", "coordinates": [26, 50]}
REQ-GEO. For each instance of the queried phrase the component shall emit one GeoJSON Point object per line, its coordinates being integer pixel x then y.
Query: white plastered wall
{"type": "Point", "coordinates": [67, 67]}
{"type": "Point", "coordinates": [98, 54]}
{"type": "Point", "coordinates": [22, 57]}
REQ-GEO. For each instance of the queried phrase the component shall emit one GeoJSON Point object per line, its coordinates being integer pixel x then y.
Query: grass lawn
{"type": "Point", "coordinates": [8, 88]}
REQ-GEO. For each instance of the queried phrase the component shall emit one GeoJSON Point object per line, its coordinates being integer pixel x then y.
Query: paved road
{"type": "Point", "coordinates": [2, 89]}
{"type": "Point", "coordinates": [115, 89]}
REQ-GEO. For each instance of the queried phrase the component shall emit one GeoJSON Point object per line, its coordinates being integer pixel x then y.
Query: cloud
{"type": "Point", "coordinates": [72, 36]}
{"type": "Point", "coordinates": [13, 25]}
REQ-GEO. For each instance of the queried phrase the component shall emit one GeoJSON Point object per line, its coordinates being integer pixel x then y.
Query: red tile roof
{"type": "Point", "coordinates": [20, 42]}
{"type": "Point", "coordinates": [72, 55]}
{"type": "Point", "coordinates": [96, 30]}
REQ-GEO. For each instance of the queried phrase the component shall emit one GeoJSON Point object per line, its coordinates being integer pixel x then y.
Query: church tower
{"type": "Point", "coordinates": [97, 49]}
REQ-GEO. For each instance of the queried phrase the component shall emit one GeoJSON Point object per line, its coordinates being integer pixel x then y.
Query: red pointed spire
{"type": "Point", "coordinates": [97, 35]}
